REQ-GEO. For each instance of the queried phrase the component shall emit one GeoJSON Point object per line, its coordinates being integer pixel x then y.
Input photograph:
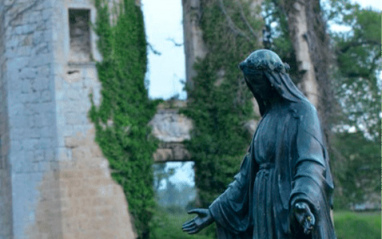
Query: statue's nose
{"type": "Point", "coordinates": [242, 65]}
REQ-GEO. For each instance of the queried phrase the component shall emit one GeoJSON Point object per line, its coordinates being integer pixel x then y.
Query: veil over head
{"type": "Point", "coordinates": [275, 71]}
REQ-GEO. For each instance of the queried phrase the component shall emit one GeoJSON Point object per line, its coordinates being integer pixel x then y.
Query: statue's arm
{"type": "Point", "coordinates": [309, 170]}
{"type": "Point", "coordinates": [229, 209]}
{"type": "Point", "coordinates": [306, 194]}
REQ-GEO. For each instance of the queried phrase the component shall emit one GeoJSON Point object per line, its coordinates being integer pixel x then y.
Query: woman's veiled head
{"type": "Point", "coordinates": [266, 76]}
{"type": "Point", "coordinates": [263, 60]}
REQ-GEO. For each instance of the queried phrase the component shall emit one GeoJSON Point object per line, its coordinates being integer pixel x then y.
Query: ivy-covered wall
{"type": "Point", "coordinates": [122, 119]}
{"type": "Point", "coordinates": [219, 102]}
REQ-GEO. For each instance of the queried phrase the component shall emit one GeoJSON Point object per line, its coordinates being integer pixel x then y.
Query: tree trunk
{"type": "Point", "coordinates": [307, 31]}
{"type": "Point", "coordinates": [194, 46]}
{"type": "Point", "coordinates": [298, 29]}
{"type": "Point", "coordinates": [311, 45]}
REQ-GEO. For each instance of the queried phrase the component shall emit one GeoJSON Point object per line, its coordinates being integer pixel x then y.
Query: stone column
{"type": "Point", "coordinates": [194, 45]}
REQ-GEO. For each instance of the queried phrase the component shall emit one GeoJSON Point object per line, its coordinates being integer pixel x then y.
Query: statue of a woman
{"type": "Point", "coordinates": [284, 187]}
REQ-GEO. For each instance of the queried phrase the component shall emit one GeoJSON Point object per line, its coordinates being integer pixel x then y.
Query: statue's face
{"type": "Point", "coordinates": [256, 81]}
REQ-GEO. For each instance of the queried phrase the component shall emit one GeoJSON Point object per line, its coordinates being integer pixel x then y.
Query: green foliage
{"type": "Point", "coordinates": [219, 101]}
{"type": "Point", "coordinates": [277, 35]}
{"type": "Point", "coordinates": [352, 225]}
{"type": "Point", "coordinates": [360, 175]}
{"type": "Point", "coordinates": [121, 120]}
{"type": "Point", "coordinates": [358, 89]}
{"type": "Point", "coordinates": [169, 225]}
{"type": "Point", "coordinates": [359, 61]}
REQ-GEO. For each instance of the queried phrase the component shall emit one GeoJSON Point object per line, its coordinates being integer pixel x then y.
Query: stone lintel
{"type": "Point", "coordinates": [172, 129]}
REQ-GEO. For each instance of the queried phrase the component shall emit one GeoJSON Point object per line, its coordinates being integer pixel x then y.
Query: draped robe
{"type": "Point", "coordinates": [287, 162]}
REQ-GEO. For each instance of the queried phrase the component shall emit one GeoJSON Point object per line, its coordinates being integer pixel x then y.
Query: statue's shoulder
{"type": "Point", "coordinates": [304, 108]}
{"type": "Point", "coordinates": [305, 113]}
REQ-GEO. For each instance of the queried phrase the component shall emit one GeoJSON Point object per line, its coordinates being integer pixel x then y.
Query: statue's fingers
{"type": "Point", "coordinates": [308, 226]}
{"type": "Point", "coordinates": [195, 230]}
{"type": "Point", "coordinates": [309, 217]}
{"type": "Point", "coordinates": [188, 223]}
{"type": "Point", "coordinates": [190, 229]}
{"type": "Point", "coordinates": [195, 210]}
{"type": "Point", "coordinates": [312, 220]}
{"type": "Point", "coordinates": [189, 226]}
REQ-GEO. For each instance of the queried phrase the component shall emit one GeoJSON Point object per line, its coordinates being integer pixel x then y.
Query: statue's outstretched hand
{"type": "Point", "coordinates": [203, 219]}
{"type": "Point", "coordinates": [304, 216]}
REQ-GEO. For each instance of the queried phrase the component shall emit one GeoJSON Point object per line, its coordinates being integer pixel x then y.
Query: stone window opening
{"type": "Point", "coordinates": [79, 32]}
{"type": "Point", "coordinates": [174, 186]}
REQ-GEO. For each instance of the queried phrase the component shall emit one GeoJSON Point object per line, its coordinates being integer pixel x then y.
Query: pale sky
{"type": "Point", "coordinates": [375, 4]}
{"type": "Point", "coordinates": [163, 22]}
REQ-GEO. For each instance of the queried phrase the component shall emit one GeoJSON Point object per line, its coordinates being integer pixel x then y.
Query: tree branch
{"type": "Point", "coordinates": [175, 43]}
{"type": "Point", "coordinates": [231, 24]}
{"type": "Point", "coordinates": [355, 44]}
{"type": "Point", "coordinates": [153, 50]}
{"type": "Point", "coordinates": [242, 15]}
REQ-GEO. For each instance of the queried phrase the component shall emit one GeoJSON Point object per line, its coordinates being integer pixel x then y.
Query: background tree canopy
{"type": "Point", "coordinates": [357, 81]}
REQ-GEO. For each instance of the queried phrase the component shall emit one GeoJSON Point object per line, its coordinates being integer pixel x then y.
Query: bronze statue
{"type": "Point", "coordinates": [284, 187]}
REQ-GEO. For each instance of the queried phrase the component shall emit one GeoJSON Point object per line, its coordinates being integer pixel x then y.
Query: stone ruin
{"type": "Point", "coordinates": [55, 182]}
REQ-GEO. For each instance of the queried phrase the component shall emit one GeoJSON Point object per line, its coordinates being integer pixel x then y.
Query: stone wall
{"type": "Point", "coordinates": [55, 183]}
{"type": "Point", "coordinates": [93, 205]}
{"type": "Point", "coordinates": [28, 58]}
{"type": "Point", "coordinates": [5, 179]}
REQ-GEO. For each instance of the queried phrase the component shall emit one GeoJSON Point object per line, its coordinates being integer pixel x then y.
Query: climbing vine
{"type": "Point", "coordinates": [121, 120]}
{"type": "Point", "coordinates": [219, 102]}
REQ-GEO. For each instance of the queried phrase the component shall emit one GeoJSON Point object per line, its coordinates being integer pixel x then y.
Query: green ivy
{"type": "Point", "coordinates": [219, 102]}
{"type": "Point", "coordinates": [122, 118]}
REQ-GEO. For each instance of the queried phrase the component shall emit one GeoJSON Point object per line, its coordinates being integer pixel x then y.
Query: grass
{"type": "Point", "coordinates": [348, 225]}
{"type": "Point", "coordinates": [356, 225]}
{"type": "Point", "coordinates": [169, 226]}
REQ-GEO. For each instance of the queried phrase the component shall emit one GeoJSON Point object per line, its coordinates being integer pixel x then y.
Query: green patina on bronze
{"type": "Point", "coordinates": [266, 60]}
